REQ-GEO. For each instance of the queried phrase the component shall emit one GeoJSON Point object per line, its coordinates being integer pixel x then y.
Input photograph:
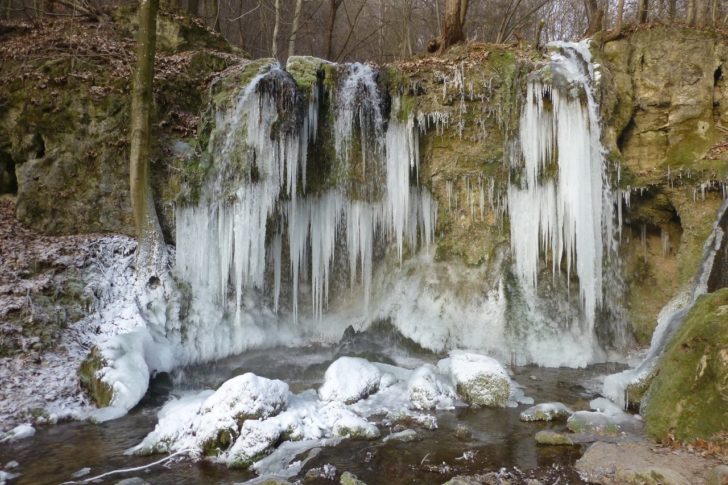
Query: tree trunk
{"type": "Point", "coordinates": [150, 242]}
{"type": "Point", "coordinates": [595, 15]}
{"type": "Point", "coordinates": [691, 12]}
{"type": "Point", "coordinates": [294, 28]}
{"type": "Point", "coordinates": [276, 28]}
{"type": "Point", "coordinates": [618, 25]}
{"type": "Point", "coordinates": [642, 11]}
{"type": "Point", "coordinates": [332, 23]}
{"type": "Point", "coordinates": [452, 25]}
{"type": "Point", "coordinates": [701, 13]}
{"type": "Point", "coordinates": [194, 7]}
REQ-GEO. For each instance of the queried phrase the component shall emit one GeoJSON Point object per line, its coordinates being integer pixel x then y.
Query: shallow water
{"type": "Point", "coordinates": [467, 441]}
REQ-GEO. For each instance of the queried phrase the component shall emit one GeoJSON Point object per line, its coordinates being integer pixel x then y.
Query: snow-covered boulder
{"type": "Point", "coordinates": [352, 426]}
{"type": "Point", "coordinates": [429, 389]}
{"type": "Point", "coordinates": [480, 380]}
{"type": "Point", "coordinates": [256, 440]}
{"type": "Point", "coordinates": [350, 379]}
{"type": "Point", "coordinates": [209, 422]}
{"type": "Point", "coordinates": [547, 411]}
{"type": "Point", "coordinates": [248, 397]}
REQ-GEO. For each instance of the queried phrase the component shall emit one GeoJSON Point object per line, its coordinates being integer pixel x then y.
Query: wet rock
{"type": "Point", "coordinates": [593, 422]}
{"type": "Point", "coordinates": [547, 437]}
{"type": "Point", "coordinates": [641, 463]}
{"type": "Point", "coordinates": [429, 389]}
{"type": "Point", "coordinates": [549, 411]}
{"type": "Point", "coordinates": [348, 478]}
{"type": "Point", "coordinates": [404, 436]}
{"type": "Point", "coordinates": [480, 380]}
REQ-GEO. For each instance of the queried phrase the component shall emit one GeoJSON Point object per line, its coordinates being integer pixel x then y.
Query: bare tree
{"type": "Point", "coordinates": [452, 25]}
{"type": "Point", "coordinates": [294, 28]}
{"type": "Point", "coordinates": [276, 28]}
{"type": "Point", "coordinates": [333, 8]}
{"type": "Point", "coordinates": [150, 242]}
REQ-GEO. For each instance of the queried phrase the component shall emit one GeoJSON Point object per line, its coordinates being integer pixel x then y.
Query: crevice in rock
{"type": "Point", "coordinates": [8, 179]}
{"type": "Point", "coordinates": [626, 134]}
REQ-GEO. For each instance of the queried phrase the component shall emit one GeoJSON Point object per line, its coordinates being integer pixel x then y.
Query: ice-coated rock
{"type": "Point", "coordinates": [256, 440]}
{"type": "Point", "coordinates": [480, 380]}
{"type": "Point", "coordinates": [248, 397]}
{"type": "Point", "coordinates": [209, 422]}
{"type": "Point", "coordinates": [349, 379]}
{"type": "Point", "coordinates": [351, 426]}
{"type": "Point", "coordinates": [547, 411]}
{"type": "Point", "coordinates": [405, 436]}
{"type": "Point", "coordinates": [429, 389]}
{"type": "Point", "coordinates": [19, 432]}
{"type": "Point", "coordinates": [594, 422]}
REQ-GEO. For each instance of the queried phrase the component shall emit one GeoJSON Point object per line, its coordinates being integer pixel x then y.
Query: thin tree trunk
{"type": "Point", "coordinates": [294, 28]}
{"type": "Point", "coordinates": [714, 14]}
{"type": "Point", "coordinates": [332, 23]}
{"type": "Point", "coordinates": [276, 27]}
{"type": "Point", "coordinates": [642, 11]}
{"type": "Point", "coordinates": [691, 12]}
{"type": "Point", "coordinates": [150, 242]}
{"type": "Point", "coordinates": [194, 7]}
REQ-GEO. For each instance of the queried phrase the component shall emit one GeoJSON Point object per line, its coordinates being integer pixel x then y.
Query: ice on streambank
{"type": "Point", "coordinates": [19, 432]}
{"type": "Point", "coordinates": [258, 422]}
{"type": "Point", "coordinates": [548, 411]}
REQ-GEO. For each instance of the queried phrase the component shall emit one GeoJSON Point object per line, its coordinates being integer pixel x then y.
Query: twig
{"type": "Point", "coordinates": [128, 470]}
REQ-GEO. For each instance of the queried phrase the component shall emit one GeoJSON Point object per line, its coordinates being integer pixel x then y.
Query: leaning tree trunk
{"type": "Point", "coordinates": [452, 25]}
{"type": "Point", "coordinates": [150, 255]}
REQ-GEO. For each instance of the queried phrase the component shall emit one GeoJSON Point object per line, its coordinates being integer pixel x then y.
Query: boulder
{"type": "Point", "coordinates": [480, 380]}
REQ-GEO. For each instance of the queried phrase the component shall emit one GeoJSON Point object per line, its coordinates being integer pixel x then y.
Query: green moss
{"type": "Point", "coordinates": [306, 71]}
{"type": "Point", "coordinates": [688, 398]}
{"type": "Point", "coordinates": [691, 147]}
{"type": "Point", "coordinates": [99, 392]}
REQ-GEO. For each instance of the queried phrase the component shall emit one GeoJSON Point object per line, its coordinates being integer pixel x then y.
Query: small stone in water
{"type": "Point", "coordinates": [11, 464]}
{"type": "Point", "coordinates": [81, 473]}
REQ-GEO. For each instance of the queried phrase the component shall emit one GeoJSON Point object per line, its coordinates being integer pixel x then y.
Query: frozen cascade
{"type": "Point", "coordinates": [561, 206]}
{"type": "Point", "coordinates": [673, 314]}
{"type": "Point", "coordinates": [254, 212]}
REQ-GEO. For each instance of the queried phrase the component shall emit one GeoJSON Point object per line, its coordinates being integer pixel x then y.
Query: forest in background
{"type": "Point", "coordinates": [387, 30]}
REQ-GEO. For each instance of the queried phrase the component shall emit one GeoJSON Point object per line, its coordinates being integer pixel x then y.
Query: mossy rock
{"type": "Point", "coordinates": [348, 478]}
{"type": "Point", "coordinates": [99, 391]}
{"type": "Point", "coordinates": [688, 399]}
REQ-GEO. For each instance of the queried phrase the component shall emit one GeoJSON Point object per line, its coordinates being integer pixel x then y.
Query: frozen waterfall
{"type": "Point", "coordinates": [559, 199]}
{"type": "Point", "coordinates": [255, 215]}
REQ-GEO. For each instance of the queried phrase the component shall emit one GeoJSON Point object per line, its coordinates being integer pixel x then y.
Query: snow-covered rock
{"type": "Point", "coordinates": [349, 379]}
{"type": "Point", "coordinates": [19, 432]}
{"type": "Point", "coordinates": [256, 440]}
{"type": "Point", "coordinates": [352, 426]}
{"type": "Point", "coordinates": [480, 380]}
{"type": "Point", "coordinates": [547, 411]}
{"type": "Point", "coordinates": [429, 389]}
{"type": "Point", "coordinates": [209, 422]}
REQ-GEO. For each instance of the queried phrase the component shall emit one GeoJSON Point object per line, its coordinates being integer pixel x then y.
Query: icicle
{"type": "Point", "coordinates": [563, 215]}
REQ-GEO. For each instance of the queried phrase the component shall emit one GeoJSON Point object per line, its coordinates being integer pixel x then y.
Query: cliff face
{"type": "Point", "coordinates": [64, 109]}
{"type": "Point", "coordinates": [665, 108]}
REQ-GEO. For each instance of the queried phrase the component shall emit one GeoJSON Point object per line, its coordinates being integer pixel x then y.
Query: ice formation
{"type": "Point", "coordinates": [561, 206]}
{"type": "Point", "coordinates": [235, 236]}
